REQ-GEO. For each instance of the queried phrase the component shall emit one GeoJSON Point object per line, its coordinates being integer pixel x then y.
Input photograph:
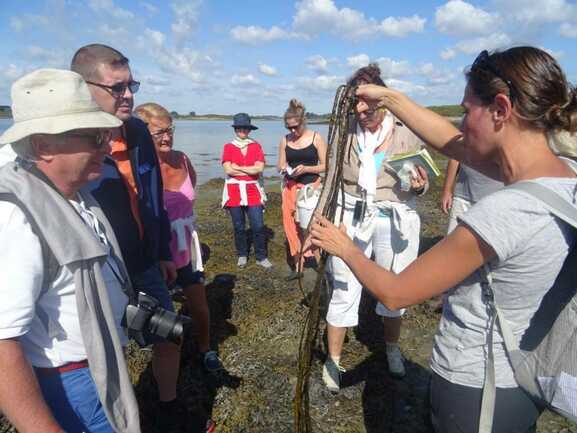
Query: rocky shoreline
{"type": "Point", "coordinates": [256, 320]}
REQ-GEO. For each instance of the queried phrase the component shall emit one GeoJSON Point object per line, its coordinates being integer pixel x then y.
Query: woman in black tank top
{"type": "Point", "coordinates": [301, 161]}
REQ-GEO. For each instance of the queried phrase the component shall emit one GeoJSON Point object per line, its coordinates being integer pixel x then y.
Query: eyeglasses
{"type": "Point", "coordinates": [118, 89]}
{"type": "Point", "coordinates": [99, 140]}
{"type": "Point", "coordinates": [161, 132]}
{"type": "Point", "coordinates": [293, 127]}
{"type": "Point", "coordinates": [483, 62]}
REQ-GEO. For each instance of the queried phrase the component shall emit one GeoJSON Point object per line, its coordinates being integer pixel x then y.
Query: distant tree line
{"type": "Point", "coordinates": [443, 110]}
{"type": "Point", "coordinates": [5, 111]}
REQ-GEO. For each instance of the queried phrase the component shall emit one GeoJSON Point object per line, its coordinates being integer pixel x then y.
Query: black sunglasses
{"type": "Point", "coordinates": [293, 127]}
{"type": "Point", "coordinates": [118, 89]}
{"type": "Point", "coordinates": [483, 62]}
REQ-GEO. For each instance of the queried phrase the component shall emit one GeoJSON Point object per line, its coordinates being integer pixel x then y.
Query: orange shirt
{"type": "Point", "coordinates": [120, 156]}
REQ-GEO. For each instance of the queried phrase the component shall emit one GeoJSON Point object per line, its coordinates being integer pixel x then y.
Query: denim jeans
{"type": "Point", "coordinates": [255, 216]}
{"type": "Point", "coordinates": [74, 402]}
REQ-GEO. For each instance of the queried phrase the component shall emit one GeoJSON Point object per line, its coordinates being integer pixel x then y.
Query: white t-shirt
{"type": "Point", "coordinates": [6, 154]}
{"type": "Point", "coordinates": [531, 246]}
{"type": "Point", "coordinates": [22, 307]}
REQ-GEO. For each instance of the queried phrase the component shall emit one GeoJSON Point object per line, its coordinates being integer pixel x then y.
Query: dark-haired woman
{"type": "Point", "coordinates": [301, 161]}
{"type": "Point", "coordinates": [380, 215]}
{"type": "Point", "coordinates": [512, 100]}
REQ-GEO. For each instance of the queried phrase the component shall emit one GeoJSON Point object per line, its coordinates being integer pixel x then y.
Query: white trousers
{"type": "Point", "coordinates": [392, 251]}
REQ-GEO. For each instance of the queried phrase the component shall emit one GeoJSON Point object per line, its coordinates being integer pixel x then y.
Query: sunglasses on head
{"type": "Point", "coordinates": [99, 139]}
{"type": "Point", "coordinates": [118, 89]}
{"type": "Point", "coordinates": [484, 62]}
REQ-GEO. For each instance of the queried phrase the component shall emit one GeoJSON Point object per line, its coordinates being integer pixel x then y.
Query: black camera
{"type": "Point", "coordinates": [148, 318]}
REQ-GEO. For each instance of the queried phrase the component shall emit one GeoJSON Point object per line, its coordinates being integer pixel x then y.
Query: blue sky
{"type": "Point", "coordinates": [224, 56]}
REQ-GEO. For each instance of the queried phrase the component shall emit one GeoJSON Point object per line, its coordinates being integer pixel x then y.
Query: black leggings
{"type": "Point", "coordinates": [456, 409]}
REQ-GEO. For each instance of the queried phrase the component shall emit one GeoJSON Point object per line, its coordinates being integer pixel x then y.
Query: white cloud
{"type": "Point", "coordinates": [457, 17]}
{"type": "Point", "coordinates": [391, 68]}
{"type": "Point", "coordinates": [48, 57]}
{"type": "Point", "coordinates": [556, 54]}
{"type": "Point", "coordinates": [406, 86]}
{"type": "Point", "coordinates": [316, 16]}
{"type": "Point", "coordinates": [400, 27]}
{"type": "Point", "coordinates": [321, 83]}
{"type": "Point", "coordinates": [267, 70]}
{"type": "Point", "coordinates": [184, 62]}
{"type": "Point", "coordinates": [254, 35]}
{"type": "Point", "coordinates": [545, 11]}
{"type": "Point", "coordinates": [244, 79]}
{"type": "Point", "coordinates": [318, 64]}
{"type": "Point", "coordinates": [186, 19]}
{"type": "Point", "coordinates": [11, 72]}
{"type": "Point", "coordinates": [491, 42]}
{"type": "Point", "coordinates": [108, 7]}
{"type": "Point", "coordinates": [358, 61]}
{"type": "Point", "coordinates": [568, 30]}
{"type": "Point", "coordinates": [113, 33]}
{"type": "Point", "coordinates": [18, 24]}
{"type": "Point", "coordinates": [448, 54]}
{"type": "Point", "coordinates": [150, 8]}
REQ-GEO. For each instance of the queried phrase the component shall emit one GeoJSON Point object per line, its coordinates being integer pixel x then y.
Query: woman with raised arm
{"type": "Point", "coordinates": [512, 100]}
{"type": "Point", "coordinates": [301, 161]}
{"type": "Point", "coordinates": [380, 215]}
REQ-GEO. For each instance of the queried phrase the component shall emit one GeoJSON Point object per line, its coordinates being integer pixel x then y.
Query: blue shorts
{"type": "Point", "coordinates": [151, 282]}
{"type": "Point", "coordinates": [74, 402]}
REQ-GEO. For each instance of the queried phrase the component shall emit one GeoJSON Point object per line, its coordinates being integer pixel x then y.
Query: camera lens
{"type": "Point", "coordinates": [168, 325]}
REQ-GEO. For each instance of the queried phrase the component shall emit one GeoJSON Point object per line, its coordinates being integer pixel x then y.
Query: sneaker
{"type": "Point", "coordinates": [211, 361]}
{"type": "Point", "coordinates": [241, 263]}
{"type": "Point", "coordinates": [395, 361]}
{"type": "Point", "coordinates": [265, 263]}
{"type": "Point", "coordinates": [332, 375]}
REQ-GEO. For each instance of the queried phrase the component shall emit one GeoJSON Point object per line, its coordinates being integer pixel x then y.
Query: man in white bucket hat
{"type": "Point", "coordinates": [64, 287]}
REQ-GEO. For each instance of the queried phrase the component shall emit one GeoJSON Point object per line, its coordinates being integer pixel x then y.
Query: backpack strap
{"type": "Point", "coordinates": [565, 211]}
{"type": "Point", "coordinates": [511, 346]}
{"type": "Point", "coordinates": [556, 204]}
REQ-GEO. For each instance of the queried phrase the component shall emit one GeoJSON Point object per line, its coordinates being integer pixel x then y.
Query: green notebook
{"type": "Point", "coordinates": [420, 157]}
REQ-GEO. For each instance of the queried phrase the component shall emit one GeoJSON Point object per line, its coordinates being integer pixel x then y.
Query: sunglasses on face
{"type": "Point", "coordinates": [160, 133]}
{"type": "Point", "coordinates": [118, 89]}
{"type": "Point", "coordinates": [293, 127]}
{"type": "Point", "coordinates": [98, 140]}
{"type": "Point", "coordinates": [484, 62]}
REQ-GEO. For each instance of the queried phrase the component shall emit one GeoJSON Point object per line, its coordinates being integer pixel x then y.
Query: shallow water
{"type": "Point", "coordinates": [202, 140]}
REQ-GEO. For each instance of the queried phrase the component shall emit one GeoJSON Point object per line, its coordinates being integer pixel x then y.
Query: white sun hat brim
{"type": "Point", "coordinates": [53, 101]}
{"type": "Point", "coordinates": [58, 125]}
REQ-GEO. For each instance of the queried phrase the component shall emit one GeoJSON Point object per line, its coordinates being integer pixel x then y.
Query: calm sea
{"type": "Point", "coordinates": [203, 140]}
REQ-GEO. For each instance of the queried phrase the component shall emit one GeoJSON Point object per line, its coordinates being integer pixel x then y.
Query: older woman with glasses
{"type": "Point", "coordinates": [507, 249]}
{"type": "Point", "coordinates": [179, 182]}
{"type": "Point", "coordinates": [301, 161]}
{"type": "Point", "coordinates": [381, 217]}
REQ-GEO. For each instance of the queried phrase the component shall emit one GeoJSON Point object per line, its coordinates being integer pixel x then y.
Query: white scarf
{"type": "Point", "coordinates": [368, 142]}
{"type": "Point", "coordinates": [241, 143]}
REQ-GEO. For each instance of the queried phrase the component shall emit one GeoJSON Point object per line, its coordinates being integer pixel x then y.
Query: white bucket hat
{"type": "Point", "coordinates": [53, 101]}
